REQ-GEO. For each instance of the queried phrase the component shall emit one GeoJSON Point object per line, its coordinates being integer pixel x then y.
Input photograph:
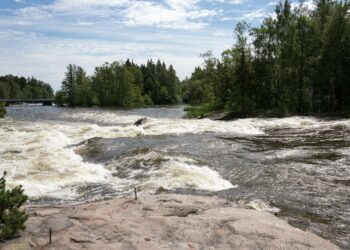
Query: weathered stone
{"type": "Point", "coordinates": [173, 222]}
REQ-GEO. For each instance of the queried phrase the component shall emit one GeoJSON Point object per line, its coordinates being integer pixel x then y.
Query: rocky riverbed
{"type": "Point", "coordinates": [165, 221]}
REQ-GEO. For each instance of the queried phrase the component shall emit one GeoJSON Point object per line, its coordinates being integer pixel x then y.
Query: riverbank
{"type": "Point", "coordinates": [166, 221]}
{"type": "Point", "coordinates": [215, 113]}
{"type": "Point", "coordinates": [2, 110]}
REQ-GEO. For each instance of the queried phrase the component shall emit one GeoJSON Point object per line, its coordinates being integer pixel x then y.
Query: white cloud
{"type": "Point", "coordinates": [150, 14]}
{"type": "Point", "coordinates": [310, 5]}
{"type": "Point", "coordinates": [255, 14]}
{"type": "Point", "coordinates": [232, 1]}
{"type": "Point", "coordinates": [69, 4]}
{"type": "Point", "coordinates": [223, 33]}
{"type": "Point", "coordinates": [33, 13]}
{"type": "Point", "coordinates": [181, 4]}
{"type": "Point", "coordinates": [31, 54]}
{"type": "Point", "coordinates": [250, 16]}
{"type": "Point", "coordinates": [171, 14]}
{"type": "Point", "coordinates": [40, 40]}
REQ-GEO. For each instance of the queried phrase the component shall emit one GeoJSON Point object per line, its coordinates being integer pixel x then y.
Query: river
{"type": "Point", "coordinates": [297, 167]}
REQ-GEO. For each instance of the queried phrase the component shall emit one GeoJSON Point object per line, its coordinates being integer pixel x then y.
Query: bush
{"type": "Point", "coordinates": [200, 111]}
{"type": "Point", "coordinates": [59, 98]}
{"type": "Point", "coordinates": [2, 109]}
{"type": "Point", "coordinates": [148, 100]}
{"type": "Point", "coordinates": [12, 219]}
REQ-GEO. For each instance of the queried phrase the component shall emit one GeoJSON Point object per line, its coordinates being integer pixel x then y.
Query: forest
{"type": "Point", "coordinates": [296, 63]}
{"type": "Point", "coordinates": [14, 87]}
{"type": "Point", "coordinates": [121, 84]}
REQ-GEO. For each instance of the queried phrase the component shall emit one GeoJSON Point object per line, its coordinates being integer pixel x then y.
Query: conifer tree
{"type": "Point", "coordinates": [299, 64]}
{"type": "Point", "coordinates": [12, 218]}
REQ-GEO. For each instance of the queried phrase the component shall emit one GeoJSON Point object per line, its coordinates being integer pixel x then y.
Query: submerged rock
{"type": "Point", "coordinates": [166, 221]}
{"type": "Point", "coordinates": [90, 148]}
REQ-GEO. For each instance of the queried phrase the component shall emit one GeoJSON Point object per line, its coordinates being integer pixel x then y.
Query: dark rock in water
{"type": "Point", "coordinates": [141, 121]}
{"type": "Point", "coordinates": [90, 148]}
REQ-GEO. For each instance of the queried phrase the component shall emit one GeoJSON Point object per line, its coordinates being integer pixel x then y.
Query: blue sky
{"type": "Point", "coordinates": [41, 37]}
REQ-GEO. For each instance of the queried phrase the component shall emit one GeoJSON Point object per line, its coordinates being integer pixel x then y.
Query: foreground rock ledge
{"type": "Point", "coordinates": [166, 221]}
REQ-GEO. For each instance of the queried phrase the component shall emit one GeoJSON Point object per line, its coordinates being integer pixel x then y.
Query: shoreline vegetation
{"type": "Point", "coordinates": [2, 109]}
{"type": "Point", "coordinates": [209, 111]}
{"type": "Point", "coordinates": [296, 63]}
{"type": "Point", "coordinates": [120, 84]}
{"type": "Point", "coordinates": [14, 87]}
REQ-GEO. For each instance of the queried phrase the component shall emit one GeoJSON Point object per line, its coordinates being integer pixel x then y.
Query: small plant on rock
{"type": "Point", "coordinates": [12, 219]}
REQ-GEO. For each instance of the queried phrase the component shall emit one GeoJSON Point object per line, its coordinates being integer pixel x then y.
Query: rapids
{"type": "Point", "coordinates": [297, 167]}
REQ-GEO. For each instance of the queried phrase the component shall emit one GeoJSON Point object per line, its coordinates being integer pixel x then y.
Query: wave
{"type": "Point", "coordinates": [153, 170]}
{"type": "Point", "coordinates": [40, 155]}
{"type": "Point", "coordinates": [42, 158]}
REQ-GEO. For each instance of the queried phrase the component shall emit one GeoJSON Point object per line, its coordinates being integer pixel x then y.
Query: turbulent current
{"type": "Point", "coordinates": [298, 167]}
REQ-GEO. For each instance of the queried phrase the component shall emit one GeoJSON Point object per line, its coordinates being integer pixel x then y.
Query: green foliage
{"type": "Point", "coordinates": [148, 100]}
{"type": "Point", "coordinates": [13, 87]}
{"type": "Point", "coordinates": [59, 98]}
{"type": "Point", "coordinates": [297, 63]}
{"type": "Point", "coordinates": [161, 84]}
{"type": "Point", "coordinates": [2, 109]}
{"type": "Point", "coordinates": [76, 89]}
{"type": "Point", "coordinates": [12, 219]}
{"type": "Point", "coordinates": [118, 84]}
{"type": "Point", "coordinates": [200, 87]}
{"type": "Point", "coordinates": [200, 111]}
{"type": "Point", "coordinates": [121, 84]}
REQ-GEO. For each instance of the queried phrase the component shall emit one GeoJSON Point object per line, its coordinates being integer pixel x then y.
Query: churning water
{"type": "Point", "coordinates": [297, 167]}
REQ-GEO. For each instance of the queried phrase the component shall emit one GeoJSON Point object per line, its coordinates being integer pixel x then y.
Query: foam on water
{"type": "Point", "coordinates": [251, 126]}
{"type": "Point", "coordinates": [159, 126]}
{"type": "Point", "coordinates": [262, 206]}
{"type": "Point", "coordinates": [289, 153]}
{"type": "Point", "coordinates": [41, 157]}
{"type": "Point", "coordinates": [152, 170]}
{"type": "Point", "coordinates": [181, 126]}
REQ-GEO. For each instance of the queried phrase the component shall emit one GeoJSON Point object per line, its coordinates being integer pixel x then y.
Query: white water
{"type": "Point", "coordinates": [39, 154]}
{"type": "Point", "coordinates": [168, 172]}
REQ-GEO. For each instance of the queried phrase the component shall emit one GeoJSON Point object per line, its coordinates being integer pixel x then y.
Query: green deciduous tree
{"type": "Point", "coordinates": [296, 64]}
{"type": "Point", "coordinates": [14, 87]}
{"type": "Point", "coordinates": [122, 84]}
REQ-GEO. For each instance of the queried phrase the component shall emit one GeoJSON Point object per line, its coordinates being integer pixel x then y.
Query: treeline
{"type": "Point", "coordinates": [14, 87]}
{"type": "Point", "coordinates": [122, 84]}
{"type": "Point", "coordinates": [297, 62]}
